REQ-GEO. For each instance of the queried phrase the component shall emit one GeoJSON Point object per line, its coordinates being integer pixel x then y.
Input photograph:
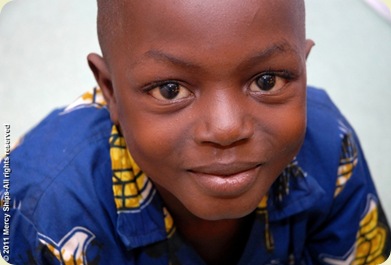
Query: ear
{"type": "Point", "coordinates": [103, 78]}
{"type": "Point", "coordinates": [308, 47]}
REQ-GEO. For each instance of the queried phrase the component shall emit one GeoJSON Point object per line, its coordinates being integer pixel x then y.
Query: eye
{"type": "Point", "coordinates": [268, 83]}
{"type": "Point", "coordinates": [169, 91]}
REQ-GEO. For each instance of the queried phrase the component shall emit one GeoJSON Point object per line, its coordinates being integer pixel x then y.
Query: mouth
{"type": "Point", "coordinates": [226, 180]}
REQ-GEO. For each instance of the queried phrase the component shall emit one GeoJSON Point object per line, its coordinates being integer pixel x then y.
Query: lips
{"type": "Point", "coordinates": [226, 180]}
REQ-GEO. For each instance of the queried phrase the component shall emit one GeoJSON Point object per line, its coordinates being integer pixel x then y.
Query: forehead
{"type": "Point", "coordinates": [217, 13]}
{"type": "Point", "coordinates": [198, 22]}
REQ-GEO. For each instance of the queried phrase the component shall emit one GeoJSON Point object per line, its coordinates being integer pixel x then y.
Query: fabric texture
{"type": "Point", "coordinates": [78, 197]}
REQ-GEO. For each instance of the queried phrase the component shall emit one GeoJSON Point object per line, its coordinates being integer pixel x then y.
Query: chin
{"type": "Point", "coordinates": [223, 212]}
{"type": "Point", "coordinates": [225, 216]}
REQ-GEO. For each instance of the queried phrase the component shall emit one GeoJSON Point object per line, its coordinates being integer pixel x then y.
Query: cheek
{"type": "Point", "coordinates": [154, 141]}
{"type": "Point", "coordinates": [292, 127]}
{"type": "Point", "coordinates": [286, 130]}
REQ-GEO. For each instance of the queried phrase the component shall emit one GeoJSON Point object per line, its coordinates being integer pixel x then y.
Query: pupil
{"type": "Point", "coordinates": [266, 82]}
{"type": "Point", "coordinates": [169, 91]}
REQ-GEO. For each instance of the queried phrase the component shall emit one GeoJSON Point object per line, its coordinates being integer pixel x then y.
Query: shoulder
{"type": "Point", "coordinates": [326, 127]}
{"type": "Point", "coordinates": [66, 150]}
{"type": "Point", "coordinates": [330, 146]}
{"type": "Point", "coordinates": [331, 150]}
{"type": "Point", "coordinates": [60, 183]}
{"type": "Point", "coordinates": [321, 110]}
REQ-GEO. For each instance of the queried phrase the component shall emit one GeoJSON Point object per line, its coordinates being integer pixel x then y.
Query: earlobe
{"type": "Point", "coordinates": [103, 78]}
{"type": "Point", "coordinates": [308, 47]}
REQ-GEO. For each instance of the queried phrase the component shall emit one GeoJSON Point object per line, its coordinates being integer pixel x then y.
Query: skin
{"type": "Point", "coordinates": [210, 97]}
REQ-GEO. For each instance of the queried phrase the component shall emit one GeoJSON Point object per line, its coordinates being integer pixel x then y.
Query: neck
{"type": "Point", "coordinates": [219, 242]}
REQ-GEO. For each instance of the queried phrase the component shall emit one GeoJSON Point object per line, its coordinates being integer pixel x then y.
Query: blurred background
{"type": "Point", "coordinates": [44, 44]}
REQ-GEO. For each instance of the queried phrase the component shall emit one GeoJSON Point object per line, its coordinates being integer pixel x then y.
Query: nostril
{"type": "Point", "coordinates": [226, 118]}
{"type": "Point", "coordinates": [225, 136]}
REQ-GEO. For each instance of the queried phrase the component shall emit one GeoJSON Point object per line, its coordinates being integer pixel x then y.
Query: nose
{"type": "Point", "coordinates": [225, 121]}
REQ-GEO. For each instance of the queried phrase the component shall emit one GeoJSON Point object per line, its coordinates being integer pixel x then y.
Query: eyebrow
{"type": "Point", "coordinates": [166, 57]}
{"type": "Point", "coordinates": [274, 49]}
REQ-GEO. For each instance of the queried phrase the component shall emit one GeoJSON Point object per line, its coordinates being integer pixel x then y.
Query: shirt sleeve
{"type": "Point", "coordinates": [356, 230]}
{"type": "Point", "coordinates": [24, 243]}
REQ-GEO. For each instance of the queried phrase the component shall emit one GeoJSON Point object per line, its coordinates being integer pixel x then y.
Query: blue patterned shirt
{"type": "Point", "coordinates": [77, 197]}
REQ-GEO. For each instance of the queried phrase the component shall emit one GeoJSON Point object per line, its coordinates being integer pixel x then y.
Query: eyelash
{"type": "Point", "coordinates": [284, 74]}
{"type": "Point", "coordinates": [278, 80]}
{"type": "Point", "coordinates": [156, 90]}
{"type": "Point", "coordinates": [147, 88]}
{"type": "Point", "coordinates": [280, 73]}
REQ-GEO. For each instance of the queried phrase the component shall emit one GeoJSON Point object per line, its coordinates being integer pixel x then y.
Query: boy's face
{"type": "Point", "coordinates": [210, 97]}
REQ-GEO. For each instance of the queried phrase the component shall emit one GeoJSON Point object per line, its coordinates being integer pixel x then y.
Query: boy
{"type": "Point", "coordinates": [202, 145]}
